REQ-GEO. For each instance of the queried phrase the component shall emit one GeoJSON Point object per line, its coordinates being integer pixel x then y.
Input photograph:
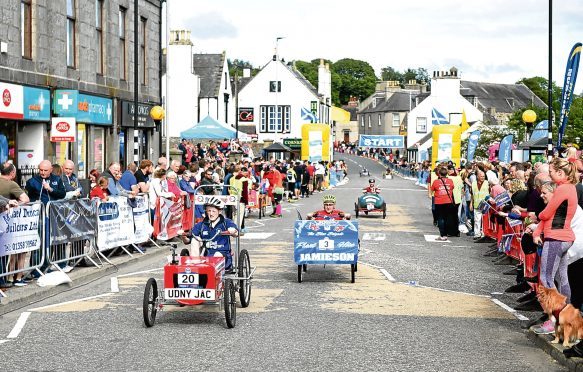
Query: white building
{"type": "Point", "coordinates": [279, 88]}
{"type": "Point", "coordinates": [216, 97]}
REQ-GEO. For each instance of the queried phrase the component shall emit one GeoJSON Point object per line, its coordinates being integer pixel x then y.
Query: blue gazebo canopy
{"type": "Point", "coordinates": [209, 128]}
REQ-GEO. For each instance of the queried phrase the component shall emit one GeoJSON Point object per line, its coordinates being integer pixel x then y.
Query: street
{"type": "Point", "coordinates": [416, 305]}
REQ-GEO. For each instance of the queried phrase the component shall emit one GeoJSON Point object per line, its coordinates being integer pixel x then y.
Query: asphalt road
{"type": "Point", "coordinates": [446, 322]}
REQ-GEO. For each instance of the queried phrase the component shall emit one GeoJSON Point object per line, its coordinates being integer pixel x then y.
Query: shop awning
{"type": "Point", "coordinates": [209, 128]}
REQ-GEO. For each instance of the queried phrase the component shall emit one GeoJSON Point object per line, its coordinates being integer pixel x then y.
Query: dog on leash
{"type": "Point", "coordinates": [568, 320]}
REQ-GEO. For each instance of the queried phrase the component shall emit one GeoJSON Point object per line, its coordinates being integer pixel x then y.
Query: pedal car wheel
{"type": "Point", "coordinates": [300, 273]}
{"type": "Point", "coordinates": [149, 304]}
{"type": "Point", "coordinates": [352, 271]}
{"type": "Point", "coordinates": [230, 304]}
{"type": "Point", "coordinates": [184, 252]}
{"type": "Point", "coordinates": [384, 210]}
{"type": "Point", "coordinates": [356, 209]}
{"type": "Point", "coordinates": [243, 272]}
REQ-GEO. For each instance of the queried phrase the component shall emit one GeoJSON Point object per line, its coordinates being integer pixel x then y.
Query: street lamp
{"type": "Point", "coordinates": [528, 117]}
{"type": "Point", "coordinates": [157, 114]}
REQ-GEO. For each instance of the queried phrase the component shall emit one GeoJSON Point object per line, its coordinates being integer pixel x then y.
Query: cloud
{"type": "Point", "coordinates": [211, 25]}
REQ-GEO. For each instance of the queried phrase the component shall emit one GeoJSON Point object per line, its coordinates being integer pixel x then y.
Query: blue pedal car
{"type": "Point", "coordinates": [370, 203]}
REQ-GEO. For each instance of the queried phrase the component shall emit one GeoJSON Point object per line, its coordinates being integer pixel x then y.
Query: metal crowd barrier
{"type": "Point", "coordinates": [22, 241]}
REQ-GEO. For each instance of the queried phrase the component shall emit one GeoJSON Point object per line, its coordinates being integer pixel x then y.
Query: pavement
{"type": "Point", "coordinates": [416, 305]}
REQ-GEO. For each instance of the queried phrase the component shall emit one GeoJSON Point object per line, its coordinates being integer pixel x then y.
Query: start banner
{"type": "Point", "coordinates": [71, 220]}
{"type": "Point", "coordinates": [19, 229]}
{"type": "Point", "coordinates": [326, 242]}
{"type": "Point", "coordinates": [115, 223]}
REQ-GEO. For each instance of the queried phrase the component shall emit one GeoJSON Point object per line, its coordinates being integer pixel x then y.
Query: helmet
{"type": "Point", "coordinates": [213, 201]}
{"type": "Point", "coordinates": [329, 199]}
{"type": "Point", "coordinates": [371, 180]}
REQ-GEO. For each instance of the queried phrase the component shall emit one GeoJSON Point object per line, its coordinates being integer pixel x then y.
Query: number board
{"type": "Point", "coordinates": [326, 242]}
{"type": "Point", "coordinates": [227, 199]}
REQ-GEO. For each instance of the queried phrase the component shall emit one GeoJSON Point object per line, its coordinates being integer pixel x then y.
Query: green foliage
{"type": "Point", "coordinates": [518, 127]}
{"type": "Point", "coordinates": [355, 78]}
{"type": "Point", "coordinates": [237, 66]}
{"type": "Point", "coordinates": [488, 135]}
{"type": "Point", "coordinates": [390, 74]}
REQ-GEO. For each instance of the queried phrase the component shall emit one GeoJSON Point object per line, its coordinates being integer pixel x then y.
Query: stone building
{"type": "Point", "coordinates": [75, 59]}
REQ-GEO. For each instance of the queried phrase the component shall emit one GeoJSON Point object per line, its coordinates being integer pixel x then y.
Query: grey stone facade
{"type": "Point", "coordinates": [48, 66]}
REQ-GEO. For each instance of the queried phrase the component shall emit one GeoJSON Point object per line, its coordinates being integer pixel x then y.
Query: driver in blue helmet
{"type": "Point", "coordinates": [217, 227]}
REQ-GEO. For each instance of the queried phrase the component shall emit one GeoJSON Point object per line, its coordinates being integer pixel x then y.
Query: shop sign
{"type": "Point", "coordinates": [11, 106]}
{"type": "Point", "coordinates": [63, 129]}
{"type": "Point", "coordinates": [314, 107]}
{"type": "Point", "coordinates": [293, 143]}
{"type": "Point", "coordinates": [37, 104]}
{"type": "Point", "coordinates": [144, 119]}
{"type": "Point", "coordinates": [85, 108]}
{"type": "Point", "coordinates": [246, 114]}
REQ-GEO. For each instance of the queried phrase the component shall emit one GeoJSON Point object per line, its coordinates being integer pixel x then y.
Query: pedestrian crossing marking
{"type": "Point", "coordinates": [256, 236]}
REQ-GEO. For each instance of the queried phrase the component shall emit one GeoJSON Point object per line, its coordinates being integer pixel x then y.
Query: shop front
{"type": "Point", "coordinates": [94, 118]}
{"type": "Point", "coordinates": [146, 128]}
{"type": "Point", "coordinates": [295, 144]}
{"type": "Point", "coordinates": [24, 115]}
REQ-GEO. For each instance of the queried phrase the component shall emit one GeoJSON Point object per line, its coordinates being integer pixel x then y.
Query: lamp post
{"type": "Point", "coordinates": [157, 114]}
{"type": "Point", "coordinates": [528, 117]}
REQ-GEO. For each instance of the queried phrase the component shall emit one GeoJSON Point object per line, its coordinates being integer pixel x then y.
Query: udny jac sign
{"type": "Point", "coordinates": [63, 129]}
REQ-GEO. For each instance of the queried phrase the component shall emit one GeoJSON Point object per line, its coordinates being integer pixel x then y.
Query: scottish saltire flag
{"type": "Point", "coordinates": [568, 86]}
{"type": "Point", "coordinates": [502, 199]}
{"type": "Point", "coordinates": [540, 131]}
{"type": "Point", "coordinates": [473, 144]}
{"type": "Point", "coordinates": [505, 147]}
{"type": "Point", "coordinates": [308, 115]}
{"type": "Point", "coordinates": [437, 117]}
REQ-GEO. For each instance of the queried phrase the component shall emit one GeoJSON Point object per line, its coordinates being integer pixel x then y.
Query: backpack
{"type": "Point", "coordinates": [290, 175]}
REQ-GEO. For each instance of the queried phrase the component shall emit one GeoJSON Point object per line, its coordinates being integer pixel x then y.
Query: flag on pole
{"type": "Point", "coordinates": [437, 117]}
{"type": "Point", "coordinates": [465, 125]}
{"type": "Point", "coordinates": [473, 144]}
{"type": "Point", "coordinates": [568, 86]}
{"type": "Point", "coordinates": [504, 149]}
{"type": "Point", "coordinates": [308, 115]}
{"type": "Point", "coordinates": [502, 198]}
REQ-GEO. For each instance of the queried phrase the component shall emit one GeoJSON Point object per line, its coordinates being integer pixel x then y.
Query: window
{"type": "Point", "coordinates": [275, 123]}
{"type": "Point", "coordinates": [380, 120]}
{"type": "Point", "coordinates": [99, 32]}
{"type": "Point", "coordinates": [422, 125]}
{"type": "Point", "coordinates": [396, 120]}
{"type": "Point", "coordinates": [71, 33]}
{"type": "Point", "coordinates": [274, 86]}
{"type": "Point", "coordinates": [226, 81]}
{"type": "Point", "coordinates": [143, 25]}
{"type": "Point", "coordinates": [362, 121]}
{"type": "Point", "coordinates": [26, 28]}
{"type": "Point", "coordinates": [122, 42]}
{"type": "Point", "coordinates": [369, 121]}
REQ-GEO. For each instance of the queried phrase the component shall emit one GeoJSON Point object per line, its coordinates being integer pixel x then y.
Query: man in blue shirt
{"type": "Point", "coordinates": [212, 227]}
{"type": "Point", "coordinates": [128, 181]}
{"type": "Point", "coordinates": [45, 186]}
{"type": "Point", "coordinates": [72, 186]}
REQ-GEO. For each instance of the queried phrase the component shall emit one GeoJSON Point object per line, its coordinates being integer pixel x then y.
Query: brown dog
{"type": "Point", "coordinates": [570, 322]}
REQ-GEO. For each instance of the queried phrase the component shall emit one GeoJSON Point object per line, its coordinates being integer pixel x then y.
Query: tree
{"type": "Point", "coordinates": [390, 74]}
{"type": "Point", "coordinates": [357, 78]}
{"type": "Point", "coordinates": [236, 67]}
{"type": "Point", "coordinates": [489, 134]}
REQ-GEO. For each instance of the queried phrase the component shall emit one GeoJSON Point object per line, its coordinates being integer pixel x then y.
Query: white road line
{"type": "Point", "coordinates": [371, 265]}
{"type": "Point", "coordinates": [114, 284]}
{"type": "Point", "coordinates": [19, 325]}
{"type": "Point", "coordinates": [373, 236]}
{"type": "Point", "coordinates": [257, 236]}
{"type": "Point", "coordinates": [387, 275]}
{"type": "Point", "coordinates": [3, 341]}
{"type": "Point", "coordinates": [69, 302]}
{"type": "Point", "coordinates": [450, 291]}
{"type": "Point", "coordinates": [140, 272]}
{"type": "Point", "coordinates": [509, 309]}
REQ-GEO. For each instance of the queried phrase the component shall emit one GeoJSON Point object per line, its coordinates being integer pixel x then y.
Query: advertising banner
{"type": "Point", "coordinates": [444, 147]}
{"type": "Point", "coordinates": [19, 230]}
{"type": "Point", "coordinates": [246, 114]}
{"type": "Point", "coordinates": [63, 130]}
{"type": "Point", "coordinates": [504, 151]}
{"type": "Point", "coordinates": [144, 119]}
{"type": "Point", "coordinates": [71, 220]}
{"type": "Point", "coordinates": [85, 108]}
{"type": "Point", "coordinates": [142, 227]}
{"type": "Point", "coordinates": [568, 86]}
{"type": "Point", "coordinates": [473, 144]}
{"type": "Point", "coordinates": [169, 218]}
{"type": "Point", "coordinates": [37, 104]}
{"type": "Point", "coordinates": [12, 105]}
{"type": "Point", "coordinates": [326, 242]}
{"type": "Point", "coordinates": [381, 141]}
{"type": "Point", "coordinates": [115, 223]}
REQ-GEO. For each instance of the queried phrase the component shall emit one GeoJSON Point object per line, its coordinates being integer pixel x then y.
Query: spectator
{"type": "Point", "coordinates": [174, 166]}
{"type": "Point", "coordinates": [157, 190]}
{"type": "Point", "coordinates": [207, 184]}
{"type": "Point", "coordinates": [45, 186]}
{"type": "Point", "coordinates": [444, 203]}
{"type": "Point", "coordinates": [128, 180]}
{"type": "Point", "coordinates": [275, 189]}
{"type": "Point", "coordinates": [171, 179]}
{"type": "Point", "coordinates": [142, 175]}
{"type": "Point", "coordinates": [113, 174]}
{"type": "Point", "coordinates": [319, 172]}
{"type": "Point", "coordinates": [101, 189]}
{"type": "Point", "coordinates": [93, 177]}
{"type": "Point", "coordinates": [162, 163]}
{"type": "Point", "coordinates": [183, 146]}
{"type": "Point", "coordinates": [72, 187]}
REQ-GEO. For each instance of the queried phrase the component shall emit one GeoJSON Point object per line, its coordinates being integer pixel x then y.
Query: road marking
{"type": "Point", "coordinates": [69, 302]}
{"type": "Point", "coordinates": [114, 284]}
{"type": "Point", "coordinates": [3, 341]}
{"type": "Point", "coordinates": [387, 275]}
{"type": "Point", "coordinates": [140, 272]}
{"type": "Point", "coordinates": [509, 309]}
{"type": "Point", "coordinates": [450, 291]}
{"type": "Point", "coordinates": [19, 325]}
{"type": "Point", "coordinates": [373, 236]}
{"type": "Point", "coordinates": [256, 236]}
{"type": "Point", "coordinates": [431, 238]}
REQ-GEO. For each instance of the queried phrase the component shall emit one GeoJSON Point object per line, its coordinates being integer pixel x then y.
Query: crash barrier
{"type": "Point", "coordinates": [22, 246]}
{"type": "Point", "coordinates": [397, 169]}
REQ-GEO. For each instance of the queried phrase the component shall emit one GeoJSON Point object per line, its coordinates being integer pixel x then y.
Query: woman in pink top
{"type": "Point", "coordinates": [555, 225]}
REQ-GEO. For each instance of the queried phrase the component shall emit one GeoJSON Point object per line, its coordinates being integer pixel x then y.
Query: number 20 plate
{"type": "Point", "coordinates": [187, 279]}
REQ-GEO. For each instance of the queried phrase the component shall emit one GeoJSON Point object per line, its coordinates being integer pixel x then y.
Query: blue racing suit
{"type": "Point", "coordinates": [221, 243]}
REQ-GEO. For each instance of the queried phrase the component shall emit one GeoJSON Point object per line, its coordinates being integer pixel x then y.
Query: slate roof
{"type": "Point", "coordinates": [209, 67]}
{"type": "Point", "coordinates": [302, 79]}
{"type": "Point", "coordinates": [505, 98]}
{"type": "Point", "coordinates": [397, 102]}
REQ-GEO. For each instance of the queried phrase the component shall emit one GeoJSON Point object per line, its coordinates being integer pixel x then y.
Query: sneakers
{"type": "Point", "coordinates": [441, 238]}
{"type": "Point", "coordinates": [546, 328]}
{"type": "Point", "coordinates": [20, 283]}
{"type": "Point", "coordinates": [67, 269]}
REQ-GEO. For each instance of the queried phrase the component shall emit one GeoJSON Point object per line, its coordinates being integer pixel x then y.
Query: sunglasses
{"type": "Point", "coordinates": [329, 204]}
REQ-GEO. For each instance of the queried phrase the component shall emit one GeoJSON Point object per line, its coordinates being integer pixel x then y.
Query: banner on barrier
{"type": "Point", "coordinates": [19, 230]}
{"type": "Point", "coordinates": [71, 220]}
{"type": "Point", "coordinates": [143, 227]}
{"type": "Point", "coordinates": [326, 242]}
{"type": "Point", "coordinates": [115, 223]}
{"type": "Point", "coordinates": [169, 214]}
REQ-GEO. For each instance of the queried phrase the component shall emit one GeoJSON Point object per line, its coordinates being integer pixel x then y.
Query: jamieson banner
{"type": "Point", "coordinates": [568, 86]}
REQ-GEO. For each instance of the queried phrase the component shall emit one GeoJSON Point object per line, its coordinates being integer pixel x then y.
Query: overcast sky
{"type": "Point", "coordinates": [487, 40]}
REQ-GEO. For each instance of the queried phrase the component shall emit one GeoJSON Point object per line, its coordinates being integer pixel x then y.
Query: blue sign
{"type": "Point", "coordinates": [504, 149]}
{"type": "Point", "coordinates": [473, 144]}
{"type": "Point", "coordinates": [85, 108]}
{"type": "Point", "coordinates": [37, 104]}
{"type": "Point", "coordinates": [381, 141]}
{"type": "Point", "coordinates": [326, 242]}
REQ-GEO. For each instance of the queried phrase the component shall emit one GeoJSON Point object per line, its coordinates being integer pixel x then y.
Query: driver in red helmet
{"type": "Point", "coordinates": [329, 212]}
